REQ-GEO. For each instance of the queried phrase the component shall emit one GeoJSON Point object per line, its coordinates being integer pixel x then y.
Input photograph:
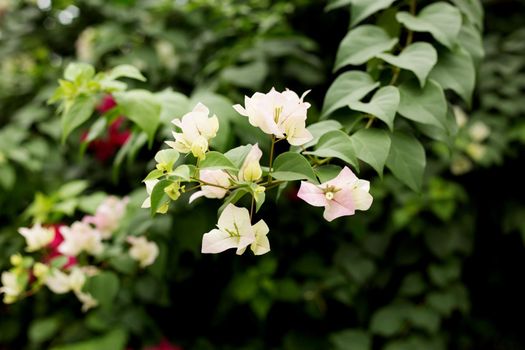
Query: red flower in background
{"type": "Point", "coordinates": [53, 249]}
{"type": "Point", "coordinates": [105, 147]}
{"type": "Point", "coordinates": [163, 345]}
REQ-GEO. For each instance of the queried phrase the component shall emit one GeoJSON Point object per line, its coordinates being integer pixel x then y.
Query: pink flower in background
{"type": "Point", "coordinates": [341, 196]}
{"type": "Point", "coordinates": [163, 345]}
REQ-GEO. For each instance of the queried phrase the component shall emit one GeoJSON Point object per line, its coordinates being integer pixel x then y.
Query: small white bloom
{"type": "Point", "coordinates": [234, 230]}
{"type": "Point", "coordinates": [476, 151]}
{"type": "Point", "coordinates": [58, 282]}
{"type": "Point", "coordinates": [150, 184]}
{"type": "Point", "coordinates": [219, 178]}
{"type": "Point", "coordinates": [460, 115]}
{"type": "Point", "coordinates": [36, 237]}
{"type": "Point", "coordinates": [251, 169]}
{"type": "Point", "coordinates": [196, 130]}
{"type": "Point", "coordinates": [479, 131]}
{"type": "Point", "coordinates": [108, 215]}
{"type": "Point", "coordinates": [142, 250]}
{"type": "Point", "coordinates": [11, 288]}
{"type": "Point", "coordinates": [80, 237]}
{"type": "Point", "coordinates": [87, 300]}
{"type": "Point", "coordinates": [282, 114]}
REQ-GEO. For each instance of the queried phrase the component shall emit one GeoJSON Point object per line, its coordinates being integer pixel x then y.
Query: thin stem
{"type": "Point", "coordinates": [271, 161]}
{"type": "Point", "coordinates": [251, 208]}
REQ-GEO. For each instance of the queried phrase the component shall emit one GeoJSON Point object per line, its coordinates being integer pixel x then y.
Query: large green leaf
{"type": "Point", "coordinates": [372, 146]}
{"type": "Point", "coordinates": [383, 105]}
{"type": "Point", "coordinates": [250, 75]}
{"type": "Point", "coordinates": [473, 9]}
{"type": "Point", "coordinates": [418, 58]}
{"type": "Point", "coordinates": [126, 71]}
{"type": "Point", "coordinates": [351, 339]}
{"type": "Point", "coordinates": [470, 39]}
{"type": "Point", "coordinates": [76, 114]}
{"type": "Point", "coordinates": [455, 71]}
{"type": "Point", "coordinates": [424, 105]}
{"type": "Point", "coordinates": [407, 160]}
{"type": "Point", "coordinates": [290, 166]}
{"type": "Point", "coordinates": [348, 87]}
{"type": "Point", "coordinates": [141, 107]}
{"type": "Point", "coordinates": [440, 19]}
{"type": "Point", "coordinates": [319, 129]}
{"type": "Point", "coordinates": [361, 9]}
{"type": "Point", "coordinates": [173, 105]}
{"type": "Point", "coordinates": [362, 44]}
{"type": "Point", "coordinates": [217, 160]}
{"type": "Point", "coordinates": [336, 144]}
{"type": "Point", "coordinates": [104, 287]}
{"type": "Point", "coordinates": [158, 197]}
{"type": "Point", "coordinates": [114, 340]}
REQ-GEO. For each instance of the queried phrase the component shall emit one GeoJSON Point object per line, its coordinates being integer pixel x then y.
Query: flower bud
{"type": "Point", "coordinates": [40, 270]}
{"type": "Point", "coordinates": [252, 172]}
{"type": "Point", "coordinates": [199, 147]}
{"type": "Point", "coordinates": [16, 260]}
{"type": "Point", "coordinates": [174, 190]}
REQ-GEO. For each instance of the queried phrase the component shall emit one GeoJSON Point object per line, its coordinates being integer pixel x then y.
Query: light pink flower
{"type": "Point", "coordinates": [282, 114]}
{"type": "Point", "coordinates": [216, 177]}
{"type": "Point", "coordinates": [341, 196]}
{"type": "Point", "coordinates": [108, 215]}
{"type": "Point", "coordinates": [80, 237]}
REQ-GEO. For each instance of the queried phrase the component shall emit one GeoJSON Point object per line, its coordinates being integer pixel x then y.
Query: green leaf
{"type": "Point", "coordinates": [348, 87]}
{"type": "Point", "coordinates": [72, 189]}
{"type": "Point", "coordinates": [79, 72]}
{"type": "Point", "coordinates": [290, 166]}
{"type": "Point", "coordinates": [372, 146]}
{"type": "Point", "coordinates": [238, 154]}
{"type": "Point", "coordinates": [327, 172]}
{"type": "Point", "coordinates": [114, 340]}
{"type": "Point", "coordinates": [383, 105]}
{"type": "Point", "coordinates": [7, 176]}
{"type": "Point", "coordinates": [216, 160]}
{"type": "Point", "coordinates": [183, 172]}
{"type": "Point", "coordinates": [104, 287]}
{"type": "Point", "coordinates": [166, 158]}
{"type": "Point", "coordinates": [154, 174]}
{"type": "Point", "coordinates": [336, 144]}
{"type": "Point", "coordinates": [361, 44]}
{"type": "Point", "coordinates": [173, 105]}
{"type": "Point", "coordinates": [77, 114]}
{"type": "Point", "coordinates": [388, 320]}
{"type": "Point", "coordinates": [250, 75]}
{"type": "Point", "coordinates": [440, 19]}
{"type": "Point", "coordinates": [142, 108]}
{"type": "Point", "coordinates": [335, 4]}
{"type": "Point", "coordinates": [319, 129]}
{"type": "Point", "coordinates": [427, 105]}
{"type": "Point", "coordinates": [407, 160]}
{"type": "Point", "coordinates": [126, 71]}
{"type": "Point", "coordinates": [351, 339]}
{"type": "Point", "coordinates": [418, 58]}
{"type": "Point", "coordinates": [455, 71]}
{"type": "Point", "coordinates": [473, 9]}
{"type": "Point", "coordinates": [43, 329]}
{"type": "Point", "coordinates": [470, 39]}
{"type": "Point", "coordinates": [158, 197]}
{"type": "Point", "coordinates": [361, 9]}
{"type": "Point", "coordinates": [96, 130]}
{"type": "Point", "coordinates": [424, 318]}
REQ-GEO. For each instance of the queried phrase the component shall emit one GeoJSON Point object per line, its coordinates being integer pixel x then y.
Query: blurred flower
{"type": "Point", "coordinates": [479, 131]}
{"type": "Point", "coordinates": [476, 151]}
{"type": "Point", "coordinates": [251, 169]}
{"type": "Point", "coordinates": [53, 246]}
{"type": "Point", "coordinates": [340, 196]}
{"type": "Point", "coordinates": [108, 215]}
{"type": "Point", "coordinates": [58, 281]}
{"type": "Point", "coordinates": [166, 53]}
{"type": "Point", "coordinates": [197, 129]}
{"type": "Point", "coordinates": [215, 177]}
{"type": "Point", "coordinates": [84, 45]}
{"type": "Point", "coordinates": [460, 115]}
{"type": "Point", "coordinates": [87, 300]}
{"type": "Point", "coordinates": [107, 103]}
{"type": "Point", "coordinates": [11, 286]}
{"type": "Point", "coordinates": [80, 237]}
{"type": "Point", "coordinates": [36, 237]}
{"type": "Point", "coordinates": [142, 250]}
{"type": "Point", "coordinates": [460, 165]}
{"type": "Point", "coordinates": [282, 114]}
{"type": "Point", "coordinates": [234, 230]}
